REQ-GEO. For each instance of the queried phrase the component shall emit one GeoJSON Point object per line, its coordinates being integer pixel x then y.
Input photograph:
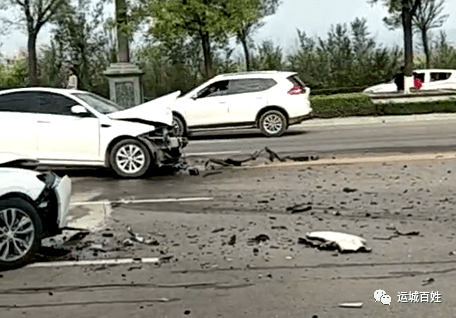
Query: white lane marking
{"type": "Point", "coordinates": [121, 261]}
{"type": "Point", "coordinates": [133, 201]}
{"type": "Point", "coordinates": [211, 153]}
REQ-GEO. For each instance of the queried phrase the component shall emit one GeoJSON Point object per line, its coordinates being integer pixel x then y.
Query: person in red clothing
{"type": "Point", "coordinates": [416, 81]}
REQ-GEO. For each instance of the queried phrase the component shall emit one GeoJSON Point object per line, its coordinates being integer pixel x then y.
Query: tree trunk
{"type": "Point", "coordinates": [208, 67]}
{"type": "Point", "coordinates": [427, 52]}
{"type": "Point", "coordinates": [408, 38]}
{"type": "Point", "coordinates": [408, 46]}
{"type": "Point", "coordinates": [31, 46]}
{"type": "Point", "coordinates": [246, 52]}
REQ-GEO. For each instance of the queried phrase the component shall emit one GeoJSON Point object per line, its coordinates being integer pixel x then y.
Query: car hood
{"type": "Point", "coordinates": [155, 111]}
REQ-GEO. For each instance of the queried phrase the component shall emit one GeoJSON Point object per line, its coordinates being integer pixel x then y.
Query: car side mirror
{"type": "Point", "coordinates": [79, 110]}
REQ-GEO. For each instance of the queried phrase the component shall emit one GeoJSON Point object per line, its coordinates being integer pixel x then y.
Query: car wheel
{"type": "Point", "coordinates": [178, 126]}
{"type": "Point", "coordinates": [130, 158]}
{"type": "Point", "coordinates": [20, 232]}
{"type": "Point", "coordinates": [273, 123]}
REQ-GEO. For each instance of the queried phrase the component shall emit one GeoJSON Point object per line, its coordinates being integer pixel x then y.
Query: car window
{"type": "Point", "coordinates": [296, 80]}
{"type": "Point", "coordinates": [420, 76]}
{"type": "Point", "coordinates": [100, 104]}
{"type": "Point", "coordinates": [250, 85]}
{"type": "Point", "coordinates": [440, 76]}
{"type": "Point", "coordinates": [219, 88]}
{"type": "Point", "coordinates": [21, 102]}
{"type": "Point", "coordinates": [56, 104]}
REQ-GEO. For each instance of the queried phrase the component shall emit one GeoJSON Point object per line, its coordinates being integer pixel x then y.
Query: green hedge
{"type": "Point", "coordinates": [357, 104]}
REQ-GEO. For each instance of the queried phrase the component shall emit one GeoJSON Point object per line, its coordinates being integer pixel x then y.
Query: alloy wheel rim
{"type": "Point", "coordinates": [272, 124]}
{"type": "Point", "coordinates": [130, 158]}
{"type": "Point", "coordinates": [17, 234]}
{"type": "Point", "coordinates": [177, 128]}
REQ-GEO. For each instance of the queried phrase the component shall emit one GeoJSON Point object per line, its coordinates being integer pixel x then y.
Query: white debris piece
{"type": "Point", "coordinates": [344, 242]}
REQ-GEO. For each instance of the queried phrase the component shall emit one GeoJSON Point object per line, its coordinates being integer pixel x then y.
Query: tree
{"type": "Point", "coordinates": [428, 16]}
{"type": "Point", "coordinates": [35, 13]}
{"type": "Point", "coordinates": [250, 14]}
{"type": "Point", "coordinates": [406, 9]}
{"type": "Point", "coordinates": [81, 39]}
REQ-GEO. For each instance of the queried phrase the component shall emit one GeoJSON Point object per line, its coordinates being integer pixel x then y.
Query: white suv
{"type": "Point", "coordinates": [270, 101]}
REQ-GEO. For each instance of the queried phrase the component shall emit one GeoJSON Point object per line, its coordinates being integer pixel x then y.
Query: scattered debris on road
{"type": "Point", "coordinates": [428, 281]}
{"type": "Point", "coordinates": [220, 229]}
{"type": "Point", "coordinates": [258, 239]}
{"type": "Point", "coordinates": [97, 248]}
{"type": "Point", "coordinates": [397, 233]}
{"type": "Point", "coordinates": [351, 305]}
{"type": "Point", "coordinates": [328, 240]}
{"type": "Point", "coordinates": [232, 240]}
{"type": "Point", "coordinates": [141, 239]}
{"type": "Point", "coordinates": [272, 155]}
{"type": "Point", "coordinates": [299, 208]}
{"type": "Point", "coordinates": [349, 190]}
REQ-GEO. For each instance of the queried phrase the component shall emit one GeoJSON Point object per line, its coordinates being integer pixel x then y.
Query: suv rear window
{"type": "Point", "coordinates": [296, 80]}
{"type": "Point", "coordinates": [251, 85]}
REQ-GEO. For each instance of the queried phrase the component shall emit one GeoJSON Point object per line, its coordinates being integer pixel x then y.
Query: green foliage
{"type": "Point", "coordinates": [342, 105]}
{"type": "Point", "coordinates": [347, 60]}
{"type": "Point", "coordinates": [444, 56]}
{"type": "Point", "coordinates": [79, 39]}
{"type": "Point", "coordinates": [14, 75]}
{"type": "Point", "coordinates": [268, 58]}
{"type": "Point", "coordinates": [346, 105]}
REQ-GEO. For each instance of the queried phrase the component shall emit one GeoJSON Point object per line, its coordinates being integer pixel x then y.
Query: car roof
{"type": "Point", "coordinates": [42, 89]}
{"type": "Point", "coordinates": [258, 74]}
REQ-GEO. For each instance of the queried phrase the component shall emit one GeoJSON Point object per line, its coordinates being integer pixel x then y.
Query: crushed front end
{"type": "Point", "coordinates": [166, 149]}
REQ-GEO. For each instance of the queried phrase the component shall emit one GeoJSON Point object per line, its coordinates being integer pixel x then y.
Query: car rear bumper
{"type": "Point", "coordinates": [300, 119]}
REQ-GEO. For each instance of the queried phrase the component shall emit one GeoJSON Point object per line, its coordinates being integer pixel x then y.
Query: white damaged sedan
{"type": "Point", "coordinates": [62, 127]}
{"type": "Point", "coordinates": [33, 205]}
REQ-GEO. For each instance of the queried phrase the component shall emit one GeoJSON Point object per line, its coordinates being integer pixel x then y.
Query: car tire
{"type": "Point", "coordinates": [26, 244]}
{"type": "Point", "coordinates": [130, 158]}
{"type": "Point", "coordinates": [273, 123]}
{"type": "Point", "coordinates": [178, 127]}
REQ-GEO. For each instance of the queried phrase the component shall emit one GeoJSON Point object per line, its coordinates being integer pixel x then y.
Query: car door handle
{"type": "Point", "coordinates": [222, 102]}
{"type": "Point", "coordinates": [105, 125]}
{"type": "Point", "coordinates": [43, 122]}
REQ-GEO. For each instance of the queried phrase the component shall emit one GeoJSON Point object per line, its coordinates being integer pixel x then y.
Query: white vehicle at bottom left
{"type": "Point", "coordinates": [33, 205]}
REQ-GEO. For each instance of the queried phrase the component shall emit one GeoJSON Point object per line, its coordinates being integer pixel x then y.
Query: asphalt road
{"type": "Point", "coordinates": [212, 274]}
{"type": "Point", "coordinates": [425, 136]}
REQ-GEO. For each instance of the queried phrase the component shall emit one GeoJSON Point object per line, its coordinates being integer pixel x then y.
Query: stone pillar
{"type": "Point", "coordinates": [124, 77]}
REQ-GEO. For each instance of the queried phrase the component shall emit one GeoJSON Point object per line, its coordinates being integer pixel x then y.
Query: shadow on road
{"type": "Point", "coordinates": [103, 173]}
{"type": "Point", "coordinates": [238, 135]}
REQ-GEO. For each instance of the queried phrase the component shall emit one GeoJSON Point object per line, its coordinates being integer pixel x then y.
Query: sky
{"type": "Point", "coordinates": [315, 17]}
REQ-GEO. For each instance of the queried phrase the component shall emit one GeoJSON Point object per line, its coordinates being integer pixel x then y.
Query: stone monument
{"type": "Point", "coordinates": [124, 77]}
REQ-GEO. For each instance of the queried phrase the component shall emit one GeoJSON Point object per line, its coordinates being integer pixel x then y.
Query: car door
{"type": "Point", "coordinates": [246, 97]}
{"type": "Point", "coordinates": [18, 123]}
{"type": "Point", "coordinates": [64, 136]}
{"type": "Point", "coordinates": [208, 106]}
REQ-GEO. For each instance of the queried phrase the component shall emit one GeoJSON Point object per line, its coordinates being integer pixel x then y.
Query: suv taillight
{"type": "Point", "coordinates": [296, 90]}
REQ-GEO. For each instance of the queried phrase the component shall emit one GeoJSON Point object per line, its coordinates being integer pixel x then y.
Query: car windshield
{"type": "Point", "coordinates": [100, 104]}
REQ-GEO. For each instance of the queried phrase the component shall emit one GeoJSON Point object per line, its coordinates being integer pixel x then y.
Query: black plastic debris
{"type": "Point", "coordinates": [299, 208]}
{"type": "Point", "coordinates": [220, 229]}
{"type": "Point", "coordinates": [272, 156]}
{"type": "Point", "coordinates": [349, 190]}
{"type": "Point", "coordinates": [232, 240]}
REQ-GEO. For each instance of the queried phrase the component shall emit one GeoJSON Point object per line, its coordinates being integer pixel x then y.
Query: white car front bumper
{"type": "Point", "coordinates": [63, 192]}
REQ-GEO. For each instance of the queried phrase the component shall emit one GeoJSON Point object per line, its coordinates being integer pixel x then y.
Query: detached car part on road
{"type": "Point", "coordinates": [271, 101]}
{"type": "Point", "coordinates": [63, 127]}
{"type": "Point", "coordinates": [33, 206]}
